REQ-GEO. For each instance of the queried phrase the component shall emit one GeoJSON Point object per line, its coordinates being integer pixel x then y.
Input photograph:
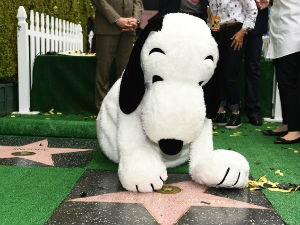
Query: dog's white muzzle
{"type": "Point", "coordinates": [173, 114]}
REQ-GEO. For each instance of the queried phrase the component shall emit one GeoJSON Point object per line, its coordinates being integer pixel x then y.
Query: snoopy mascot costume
{"type": "Point", "coordinates": [157, 114]}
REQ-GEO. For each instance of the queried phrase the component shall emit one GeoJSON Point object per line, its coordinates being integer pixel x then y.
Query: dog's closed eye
{"type": "Point", "coordinates": [210, 57]}
{"type": "Point", "coordinates": [156, 78]}
{"type": "Point", "coordinates": [156, 50]}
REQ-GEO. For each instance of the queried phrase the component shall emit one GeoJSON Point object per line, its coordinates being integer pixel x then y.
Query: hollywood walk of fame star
{"type": "Point", "coordinates": [37, 151]}
{"type": "Point", "coordinates": [168, 205]}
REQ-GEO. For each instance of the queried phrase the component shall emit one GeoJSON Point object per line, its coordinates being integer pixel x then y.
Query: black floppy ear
{"type": "Point", "coordinates": [212, 96]}
{"type": "Point", "coordinates": [132, 87]}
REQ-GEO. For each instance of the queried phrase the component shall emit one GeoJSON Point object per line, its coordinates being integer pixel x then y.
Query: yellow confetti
{"type": "Point", "coordinates": [215, 127]}
{"type": "Point", "coordinates": [280, 190]}
{"type": "Point", "coordinates": [51, 111]}
{"type": "Point", "coordinates": [215, 132]}
{"type": "Point", "coordinates": [296, 151]}
{"type": "Point", "coordinates": [278, 172]}
{"type": "Point", "coordinates": [47, 118]}
{"type": "Point", "coordinates": [58, 113]}
{"type": "Point", "coordinates": [265, 123]}
{"type": "Point", "coordinates": [269, 127]}
{"type": "Point", "coordinates": [46, 114]}
{"type": "Point", "coordinates": [12, 116]}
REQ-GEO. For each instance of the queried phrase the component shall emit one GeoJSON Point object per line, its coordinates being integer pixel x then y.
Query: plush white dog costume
{"type": "Point", "coordinates": [156, 116]}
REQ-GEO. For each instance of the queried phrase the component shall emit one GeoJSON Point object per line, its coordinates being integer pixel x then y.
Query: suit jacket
{"type": "Point", "coordinates": [108, 11]}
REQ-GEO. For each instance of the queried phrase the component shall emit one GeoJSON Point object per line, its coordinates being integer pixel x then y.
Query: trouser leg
{"type": "Point", "coordinates": [253, 50]}
{"type": "Point", "coordinates": [123, 52]}
{"type": "Point", "coordinates": [288, 75]}
{"type": "Point", "coordinates": [232, 62]}
{"type": "Point", "coordinates": [106, 51]}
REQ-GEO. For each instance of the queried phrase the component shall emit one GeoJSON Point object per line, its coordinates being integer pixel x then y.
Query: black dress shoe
{"type": "Point", "coordinates": [272, 133]}
{"type": "Point", "coordinates": [280, 140]}
{"type": "Point", "coordinates": [256, 121]}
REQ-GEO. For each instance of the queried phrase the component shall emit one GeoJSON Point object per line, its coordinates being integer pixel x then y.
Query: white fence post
{"type": "Point", "coordinates": [40, 38]}
{"type": "Point", "coordinates": [23, 61]}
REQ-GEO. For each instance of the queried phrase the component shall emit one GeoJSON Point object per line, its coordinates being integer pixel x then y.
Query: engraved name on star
{"type": "Point", "coordinates": [170, 203]}
{"type": "Point", "coordinates": [37, 151]}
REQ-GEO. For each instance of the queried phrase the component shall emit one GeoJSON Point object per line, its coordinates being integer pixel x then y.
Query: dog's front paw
{"type": "Point", "coordinates": [224, 169]}
{"type": "Point", "coordinates": [142, 176]}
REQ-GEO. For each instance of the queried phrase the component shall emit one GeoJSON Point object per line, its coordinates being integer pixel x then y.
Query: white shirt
{"type": "Point", "coordinates": [232, 11]}
{"type": "Point", "coordinates": [284, 21]}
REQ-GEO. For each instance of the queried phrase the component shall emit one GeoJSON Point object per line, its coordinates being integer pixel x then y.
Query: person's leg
{"type": "Point", "coordinates": [232, 63]}
{"type": "Point", "coordinates": [288, 75]}
{"type": "Point", "coordinates": [123, 52]}
{"type": "Point", "coordinates": [105, 51]}
{"type": "Point", "coordinates": [253, 51]}
{"type": "Point", "coordinates": [220, 118]}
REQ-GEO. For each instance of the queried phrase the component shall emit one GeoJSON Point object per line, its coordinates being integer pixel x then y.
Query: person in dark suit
{"type": "Point", "coordinates": [115, 25]}
{"type": "Point", "coordinates": [253, 50]}
{"type": "Point", "coordinates": [173, 6]}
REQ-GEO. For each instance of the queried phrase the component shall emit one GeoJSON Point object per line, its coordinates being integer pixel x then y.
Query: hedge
{"type": "Point", "coordinates": [76, 11]}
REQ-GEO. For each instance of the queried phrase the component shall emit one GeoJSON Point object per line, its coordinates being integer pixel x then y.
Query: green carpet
{"type": "Point", "coordinates": [264, 158]}
{"type": "Point", "coordinates": [29, 195]}
{"type": "Point", "coordinates": [51, 125]}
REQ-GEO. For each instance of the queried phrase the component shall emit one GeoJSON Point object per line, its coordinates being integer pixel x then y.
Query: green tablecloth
{"type": "Point", "coordinates": [66, 84]}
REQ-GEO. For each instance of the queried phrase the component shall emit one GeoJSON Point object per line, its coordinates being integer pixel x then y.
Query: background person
{"type": "Point", "coordinates": [115, 24]}
{"type": "Point", "coordinates": [91, 40]}
{"type": "Point", "coordinates": [253, 50]}
{"type": "Point", "coordinates": [230, 21]}
{"type": "Point", "coordinates": [284, 49]}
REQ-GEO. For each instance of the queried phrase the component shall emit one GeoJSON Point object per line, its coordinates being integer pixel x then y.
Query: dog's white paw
{"type": "Point", "coordinates": [142, 175]}
{"type": "Point", "coordinates": [224, 169]}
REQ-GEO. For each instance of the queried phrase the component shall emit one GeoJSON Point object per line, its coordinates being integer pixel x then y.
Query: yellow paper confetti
{"type": "Point", "coordinates": [51, 111]}
{"type": "Point", "coordinates": [59, 113]}
{"type": "Point", "coordinates": [278, 172]}
{"type": "Point", "coordinates": [12, 116]}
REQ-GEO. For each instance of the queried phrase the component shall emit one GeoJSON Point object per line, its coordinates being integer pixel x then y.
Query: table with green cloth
{"type": "Point", "coordinates": [66, 84]}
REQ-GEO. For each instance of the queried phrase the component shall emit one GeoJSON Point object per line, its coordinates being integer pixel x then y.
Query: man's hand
{"type": "Point", "coordinates": [238, 38]}
{"type": "Point", "coordinates": [133, 23]}
{"type": "Point", "coordinates": [262, 4]}
{"type": "Point", "coordinates": [123, 23]}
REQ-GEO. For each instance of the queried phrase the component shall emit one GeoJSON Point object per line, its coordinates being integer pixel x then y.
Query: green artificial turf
{"type": "Point", "coordinates": [265, 158]}
{"type": "Point", "coordinates": [263, 155]}
{"type": "Point", "coordinates": [29, 195]}
{"type": "Point", "coordinates": [50, 125]}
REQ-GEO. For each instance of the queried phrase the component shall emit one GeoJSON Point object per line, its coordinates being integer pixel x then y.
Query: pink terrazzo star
{"type": "Point", "coordinates": [169, 208]}
{"type": "Point", "coordinates": [37, 151]}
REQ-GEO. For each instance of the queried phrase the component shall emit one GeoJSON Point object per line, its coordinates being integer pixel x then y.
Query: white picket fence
{"type": "Point", "coordinates": [45, 34]}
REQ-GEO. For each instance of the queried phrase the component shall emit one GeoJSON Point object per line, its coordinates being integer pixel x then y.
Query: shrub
{"type": "Point", "coordinates": [76, 11]}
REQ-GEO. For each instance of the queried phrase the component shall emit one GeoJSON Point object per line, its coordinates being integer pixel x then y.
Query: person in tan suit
{"type": "Point", "coordinates": [115, 24]}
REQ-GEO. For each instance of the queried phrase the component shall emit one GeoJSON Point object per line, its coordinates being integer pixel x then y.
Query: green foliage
{"type": "Point", "coordinates": [76, 11]}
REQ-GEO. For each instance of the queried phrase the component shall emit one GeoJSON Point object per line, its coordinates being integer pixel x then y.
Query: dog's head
{"type": "Point", "coordinates": [171, 64]}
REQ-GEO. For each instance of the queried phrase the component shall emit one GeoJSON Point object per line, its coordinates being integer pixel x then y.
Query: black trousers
{"type": "Point", "coordinates": [253, 49]}
{"type": "Point", "coordinates": [288, 77]}
{"type": "Point", "coordinates": [228, 67]}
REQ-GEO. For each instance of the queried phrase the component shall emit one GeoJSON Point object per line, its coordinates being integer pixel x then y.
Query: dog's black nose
{"type": "Point", "coordinates": [170, 146]}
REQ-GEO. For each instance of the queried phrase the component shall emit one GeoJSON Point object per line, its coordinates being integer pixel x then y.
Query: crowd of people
{"type": "Point", "coordinates": [237, 26]}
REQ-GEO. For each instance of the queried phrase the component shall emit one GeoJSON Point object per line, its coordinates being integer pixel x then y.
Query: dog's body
{"type": "Point", "coordinates": [155, 116]}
